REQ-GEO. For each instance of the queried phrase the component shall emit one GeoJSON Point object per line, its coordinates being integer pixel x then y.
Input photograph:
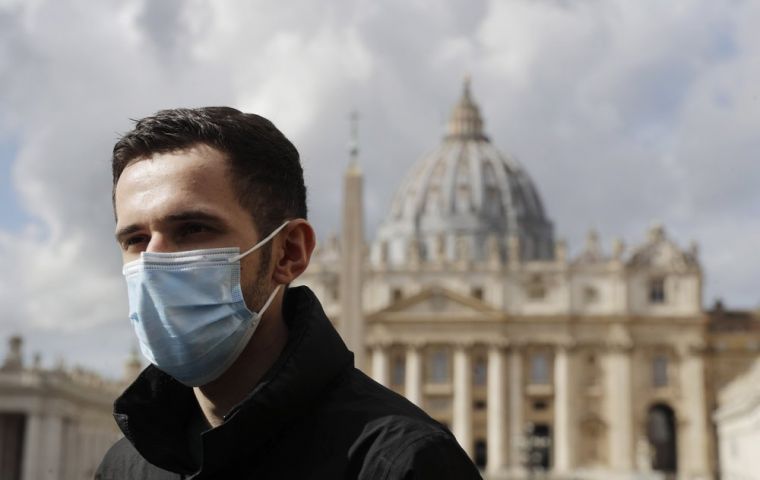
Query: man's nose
{"type": "Point", "coordinates": [160, 243]}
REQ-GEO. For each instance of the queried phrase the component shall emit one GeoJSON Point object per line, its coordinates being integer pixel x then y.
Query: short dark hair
{"type": "Point", "coordinates": [264, 166]}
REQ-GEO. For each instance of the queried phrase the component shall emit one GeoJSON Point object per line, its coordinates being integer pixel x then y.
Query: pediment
{"type": "Point", "coordinates": [438, 302]}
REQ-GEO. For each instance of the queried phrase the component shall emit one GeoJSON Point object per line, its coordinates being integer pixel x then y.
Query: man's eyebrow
{"type": "Point", "coordinates": [193, 215]}
{"type": "Point", "coordinates": [184, 216]}
{"type": "Point", "coordinates": [123, 232]}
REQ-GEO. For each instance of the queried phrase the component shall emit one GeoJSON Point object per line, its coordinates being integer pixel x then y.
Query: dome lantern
{"type": "Point", "coordinates": [465, 122]}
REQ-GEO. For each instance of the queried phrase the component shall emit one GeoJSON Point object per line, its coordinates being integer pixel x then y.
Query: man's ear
{"type": "Point", "coordinates": [293, 253]}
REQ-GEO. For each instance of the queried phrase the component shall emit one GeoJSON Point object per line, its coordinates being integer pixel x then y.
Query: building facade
{"type": "Point", "coordinates": [55, 424]}
{"type": "Point", "coordinates": [584, 367]}
{"type": "Point", "coordinates": [738, 423]}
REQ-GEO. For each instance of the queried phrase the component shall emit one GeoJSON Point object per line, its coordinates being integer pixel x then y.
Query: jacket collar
{"type": "Point", "coordinates": [153, 412]}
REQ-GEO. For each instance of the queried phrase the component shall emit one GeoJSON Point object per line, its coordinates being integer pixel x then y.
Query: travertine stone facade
{"type": "Point", "coordinates": [590, 367]}
{"type": "Point", "coordinates": [54, 424]}
{"type": "Point", "coordinates": [738, 423]}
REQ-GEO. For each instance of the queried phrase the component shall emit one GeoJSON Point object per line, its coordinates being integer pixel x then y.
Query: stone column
{"type": "Point", "coordinates": [42, 447]}
{"type": "Point", "coordinates": [380, 364]}
{"type": "Point", "coordinates": [413, 374]}
{"type": "Point", "coordinates": [618, 406]}
{"type": "Point", "coordinates": [33, 436]}
{"type": "Point", "coordinates": [53, 446]}
{"type": "Point", "coordinates": [516, 421]}
{"type": "Point", "coordinates": [694, 463]}
{"type": "Point", "coordinates": [462, 424]}
{"type": "Point", "coordinates": [497, 424]}
{"type": "Point", "coordinates": [562, 441]}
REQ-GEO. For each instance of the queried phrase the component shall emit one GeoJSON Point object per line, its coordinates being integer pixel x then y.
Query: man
{"type": "Point", "coordinates": [248, 378]}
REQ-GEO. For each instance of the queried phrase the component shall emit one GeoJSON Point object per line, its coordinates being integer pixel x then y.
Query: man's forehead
{"type": "Point", "coordinates": [183, 157]}
{"type": "Point", "coordinates": [173, 181]}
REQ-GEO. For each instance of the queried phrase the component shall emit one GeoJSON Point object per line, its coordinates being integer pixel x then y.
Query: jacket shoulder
{"type": "Point", "coordinates": [123, 462]}
{"type": "Point", "coordinates": [402, 447]}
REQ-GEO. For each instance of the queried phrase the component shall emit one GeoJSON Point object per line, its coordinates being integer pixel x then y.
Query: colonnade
{"type": "Point", "coordinates": [507, 407]}
{"type": "Point", "coordinates": [505, 402]}
{"type": "Point", "coordinates": [56, 448]}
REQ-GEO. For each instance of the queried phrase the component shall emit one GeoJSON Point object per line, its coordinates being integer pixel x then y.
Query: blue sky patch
{"type": "Point", "coordinates": [12, 215]}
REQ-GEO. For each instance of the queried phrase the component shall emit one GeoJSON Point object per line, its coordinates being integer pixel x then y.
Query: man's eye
{"type": "Point", "coordinates": [191, 229]}
{"type": "Point", "coordinates": [133, 241]}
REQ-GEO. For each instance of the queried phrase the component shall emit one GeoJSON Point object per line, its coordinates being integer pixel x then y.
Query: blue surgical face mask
{"type": "Point", "coordinates": [188, 311]}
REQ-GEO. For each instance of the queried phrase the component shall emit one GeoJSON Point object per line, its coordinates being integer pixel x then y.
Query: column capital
{"type": "Point", "coordinates": [415, 344]}
{"type": "Point", "coordinates": [380, 343]}
{"type": "Point", "coordinates": [695, 348]}
{"type": "Point", "coordinates": [616, 347]}
{"type": "Point", "coordinates": [619, 339]}
{"type": "Point", "coordinates": [498, 344]}
{"type": "Point", "coordinates": [567, 345]}
{"type": "Point", "coordinates": [463, 344]}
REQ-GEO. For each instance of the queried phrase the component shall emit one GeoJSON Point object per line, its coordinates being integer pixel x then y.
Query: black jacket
{"type": "Point", "coordinates": [313, 416]}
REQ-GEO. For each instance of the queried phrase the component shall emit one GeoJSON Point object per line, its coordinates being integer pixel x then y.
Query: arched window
{"type": "Point", "coordinates": [535, 287]}
{"type": "Point", "coordinates": [657, 290]}
{"type": "Point", "coordinates": [661, 433]}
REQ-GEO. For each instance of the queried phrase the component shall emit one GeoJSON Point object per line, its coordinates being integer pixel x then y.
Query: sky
{"type": "Point", "coordinates": [625, 114]}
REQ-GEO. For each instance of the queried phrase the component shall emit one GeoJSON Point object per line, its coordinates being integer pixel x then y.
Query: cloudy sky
{"type": "Point", "coordinates": [625, 114]}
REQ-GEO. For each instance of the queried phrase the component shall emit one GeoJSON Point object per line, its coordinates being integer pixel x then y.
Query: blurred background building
{"type": "Point", "coordinates": [604, 365]}
{"type": "Point", "coordinates": [738, 423]}
{"type": "Point", "coordinates": [55, 424]}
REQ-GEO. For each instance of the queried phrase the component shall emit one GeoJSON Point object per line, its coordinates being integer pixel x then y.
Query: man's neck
{"type": "Point", "coordinates": [217, 398]}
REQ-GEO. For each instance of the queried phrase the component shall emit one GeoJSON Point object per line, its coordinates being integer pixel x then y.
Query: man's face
{"type": "Point", "coordinates": [184, 200]}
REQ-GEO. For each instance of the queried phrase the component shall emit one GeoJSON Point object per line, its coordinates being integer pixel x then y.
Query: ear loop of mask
{"type": "Point", "coordinates": [258, 245]}
{"type": "Point", "coordinates": [269, 301]}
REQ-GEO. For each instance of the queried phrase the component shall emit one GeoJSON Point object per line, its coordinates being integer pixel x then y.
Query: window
{"type": "Point", "coordinates": [590, 295]}
{"type": "Point", "coordinates": [396, 294]}
{"type": "Point", "coordinates": [657, 290]}
{"type": "Point", "coordinates": [540, 405]}
{"type": "Point", "coordinates": [477, 292]}
{"type": "Point", "coordinates": [539, 369]}
{"type": "Point", "coordinates": [535, 288]}
{"type": "Point", "coordinates": [660, 371]}
{"type": "Point", "coordinates": [481, 453]}
{"type": "Point", "coordinates": [398, 371]}
{"type": "Point", "coordinates": [479, 404]}
{"type": "Point", "coordinates": [439, 371]}
{"type": "Point", "coordinates": [479, 371]}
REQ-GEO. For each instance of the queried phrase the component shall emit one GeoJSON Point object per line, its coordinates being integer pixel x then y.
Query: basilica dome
{"type": "Point", "coordinates": [464, 199]}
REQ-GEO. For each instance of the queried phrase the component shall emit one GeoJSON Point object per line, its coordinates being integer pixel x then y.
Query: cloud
{"type": "Point", "coordinates": [624, 113]}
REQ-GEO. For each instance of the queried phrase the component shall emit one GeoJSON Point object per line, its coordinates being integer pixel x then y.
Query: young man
{"type": "Point", "coordinates": [248, 378]}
